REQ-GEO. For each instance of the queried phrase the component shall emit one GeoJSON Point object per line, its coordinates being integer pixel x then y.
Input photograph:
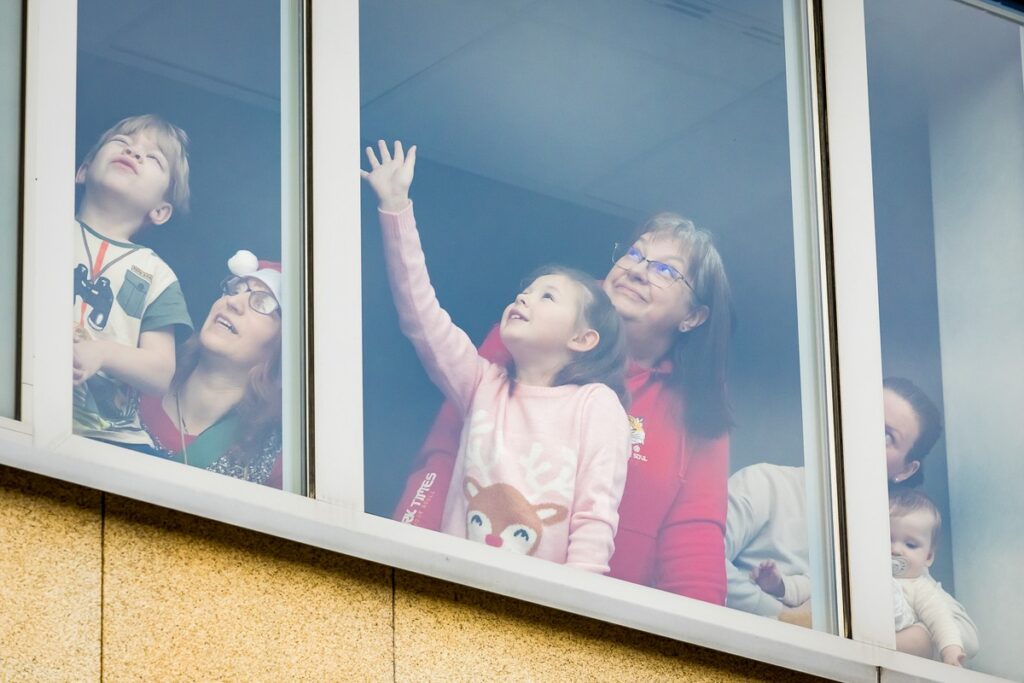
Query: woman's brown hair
{"type": "Point", "coordinates": [259, 410]}
{"type": "Point", "coordinates": [700, 357]}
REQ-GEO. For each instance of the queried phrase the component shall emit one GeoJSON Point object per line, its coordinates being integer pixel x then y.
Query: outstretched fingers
{"type": "Point", "coordinates": [372, 157]}
{"type": "Point", "coordinates": [385, 154]}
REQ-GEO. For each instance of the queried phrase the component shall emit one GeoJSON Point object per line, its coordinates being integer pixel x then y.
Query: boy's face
{"type": "Point", "coordinates": [911, 540]}
{"type": "Point", "coordinates": [132, 168]}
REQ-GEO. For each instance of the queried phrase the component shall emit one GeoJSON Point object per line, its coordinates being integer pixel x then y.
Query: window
{"type": "Point", "coordinates": [947, 101]}
{"type": "Point", "coordinates": [550, 133]}
{"type": "Point", "coordinates": [585, 134]}
{"type": "Point", "coordinates": [10, 191]}
{"type": "Point", "coordinates": [188, 235]}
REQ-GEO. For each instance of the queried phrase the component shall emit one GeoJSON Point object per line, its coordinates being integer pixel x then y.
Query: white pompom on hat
{"type": "Point", "coordinates": [245, 264]}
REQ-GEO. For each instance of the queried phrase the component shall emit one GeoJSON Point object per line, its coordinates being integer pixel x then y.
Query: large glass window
{"type": "Point", "coordinates": [10, 203]}
{"type": "Point", "coordinates": [661, 148]}
{"type": "Point", "coordinates": [947, 127]}
{"type": "Point", "coordinates": [187, 231]}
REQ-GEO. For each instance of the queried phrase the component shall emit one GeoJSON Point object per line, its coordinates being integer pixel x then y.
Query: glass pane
{"type": "Point", "coordinates": [188, 219]}
{"type": "Point", "coordinates": [547, 133]}
{"type": "Point", "coordinates": [947, 126]}
{"type": "Point", "coordinates": [10, 192]}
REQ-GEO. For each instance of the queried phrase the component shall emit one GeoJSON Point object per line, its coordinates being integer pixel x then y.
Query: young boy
{"type": "Point", "coordinates": [128, 304]}
{"type": "Point", "coordinates": [914, 524]}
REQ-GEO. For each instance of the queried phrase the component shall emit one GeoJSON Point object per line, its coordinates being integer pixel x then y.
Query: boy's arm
{"type": "Point", "coordinates": [149, 367]}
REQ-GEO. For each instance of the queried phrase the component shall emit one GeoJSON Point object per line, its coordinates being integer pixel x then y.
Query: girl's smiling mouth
{"type": "Point", "coordinates": [517, 314]}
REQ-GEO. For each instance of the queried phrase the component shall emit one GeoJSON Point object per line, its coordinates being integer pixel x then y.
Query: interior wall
{"type": "Point", "coordinates": [977, 172]}
{"type": "Point", "coordinates": [100, 587]}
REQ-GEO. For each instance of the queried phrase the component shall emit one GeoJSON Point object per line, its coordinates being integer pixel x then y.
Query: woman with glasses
{"type": "Point", "coordinates": [223, 411]}
{"type": "Point", "coordinates": [671, 289]}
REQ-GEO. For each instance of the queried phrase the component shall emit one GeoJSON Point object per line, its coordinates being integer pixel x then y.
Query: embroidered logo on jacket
{"type": "Point", "coordinates": [637, 435]}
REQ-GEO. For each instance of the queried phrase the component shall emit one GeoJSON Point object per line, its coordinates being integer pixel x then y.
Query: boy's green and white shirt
{"type": "Point", "coordinates": [121, 290]}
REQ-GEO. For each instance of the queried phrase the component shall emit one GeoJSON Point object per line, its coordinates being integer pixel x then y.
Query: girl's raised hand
{"type": "Point", "coordinates": [391, 177]}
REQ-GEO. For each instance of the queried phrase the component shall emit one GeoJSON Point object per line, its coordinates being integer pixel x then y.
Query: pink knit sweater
{"type": "Point", "coordinates": [540, 470]}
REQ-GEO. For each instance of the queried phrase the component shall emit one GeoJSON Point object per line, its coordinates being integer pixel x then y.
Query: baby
{"type": "Point", "coordinates": [914, 524]}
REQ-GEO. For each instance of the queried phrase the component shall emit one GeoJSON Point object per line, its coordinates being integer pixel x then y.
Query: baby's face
{"type": "Point", "coordinates": [911, 537]}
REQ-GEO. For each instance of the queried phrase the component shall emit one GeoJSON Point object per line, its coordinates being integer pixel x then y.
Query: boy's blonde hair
{"type": "Point", "coordinates": [903, 501]}
{"type": "Point", "coordinates": [173, 142]}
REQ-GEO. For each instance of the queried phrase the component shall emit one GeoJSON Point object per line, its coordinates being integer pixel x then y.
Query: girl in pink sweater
{"type": "Point", "coordinates": [543, 454]}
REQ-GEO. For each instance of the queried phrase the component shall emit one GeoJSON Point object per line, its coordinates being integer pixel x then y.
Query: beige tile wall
{"type": "Point", "coordinates": [102, 588]}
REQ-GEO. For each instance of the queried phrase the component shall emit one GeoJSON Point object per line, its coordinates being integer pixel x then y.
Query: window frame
{"type": "Point", "coordinates": [21, 421]}
{"type": "Point", "coordinates": [332, 516]}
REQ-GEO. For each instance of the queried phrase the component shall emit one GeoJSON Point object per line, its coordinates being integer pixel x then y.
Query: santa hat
{"type": "Point", "coordinates": [245, 264]}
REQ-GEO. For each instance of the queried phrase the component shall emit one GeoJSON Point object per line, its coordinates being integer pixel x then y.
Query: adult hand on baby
{"type": "Point", "coordinates": [88, 360]}
{"type": "Point", "coordinates": [953, 654]}
{"type": "Point", "coordinates": [391, 177]}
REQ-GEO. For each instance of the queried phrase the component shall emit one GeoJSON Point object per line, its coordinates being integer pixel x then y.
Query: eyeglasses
{"type": "Point", "coordinates": [260, 300]}
{"type": "Point", "coordinates": [659, 274]}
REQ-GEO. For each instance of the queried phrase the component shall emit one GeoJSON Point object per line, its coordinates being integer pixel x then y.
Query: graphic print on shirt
{"type": "Point", "coordinates": [637, 436]}
{"type": "Point", "coordinates": [500, 516]}
{"type": "Point", "coordinates": [95, 294]}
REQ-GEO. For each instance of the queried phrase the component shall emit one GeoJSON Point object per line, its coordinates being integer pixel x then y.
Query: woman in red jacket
{"type": "Point", "coordinates": [670, 287]}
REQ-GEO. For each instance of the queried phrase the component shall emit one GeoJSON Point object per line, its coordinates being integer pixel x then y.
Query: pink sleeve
{"type": "Point", "coordinates": [422, 501]}
{"type": "Point", "coordinates": [600, 479]}
{"type": "Point", "coordinates": [447, 353]}
{"type": "Point", "coordinates": [691, 542]}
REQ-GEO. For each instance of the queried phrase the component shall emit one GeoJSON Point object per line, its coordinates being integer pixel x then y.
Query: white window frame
{"type": "Point", "coordinates": [334, 519]}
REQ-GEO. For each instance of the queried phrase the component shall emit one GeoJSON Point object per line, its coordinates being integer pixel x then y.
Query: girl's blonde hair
{"type": "Point", "coordinates": [173, 142]}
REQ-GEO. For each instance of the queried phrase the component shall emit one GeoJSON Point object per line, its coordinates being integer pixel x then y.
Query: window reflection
{"type": "Point", "coordinates": [947, 101]}
{"type": "Point", "coordinates": [548, 132]}
{"type": "Point", "coordinates": [180, 186]}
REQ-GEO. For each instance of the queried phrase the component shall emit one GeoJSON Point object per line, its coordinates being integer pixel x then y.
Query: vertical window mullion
{"type": "Point", "coordinates": [863, 476]}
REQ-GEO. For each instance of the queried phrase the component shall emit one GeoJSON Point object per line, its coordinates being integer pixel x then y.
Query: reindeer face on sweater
{"type": "Point", "coordinates": [502, 517]}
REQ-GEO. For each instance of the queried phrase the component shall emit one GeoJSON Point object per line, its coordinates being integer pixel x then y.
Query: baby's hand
{"type": "Point", "coordinates": [391, 177]}
{"type": "Point", "coordinates": [88, 359]}
{"type": "Point", "coordinates": [767, 576]}
{"type": "Point", "coordinates": [953, 654]}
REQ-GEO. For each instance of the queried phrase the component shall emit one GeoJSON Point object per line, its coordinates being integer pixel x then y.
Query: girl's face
{"type": "Point", "coordinates": [237, 333]}
{"type": "Point", "coordinates": [545, 318]}
{"type": "Point", "coordinates": [902, 429]}
{"type": "Point", "coordinates": [664, 310]}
